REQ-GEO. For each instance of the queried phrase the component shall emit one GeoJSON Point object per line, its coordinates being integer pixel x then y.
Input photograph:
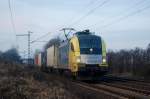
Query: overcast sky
{"type": "Point", "coordinates": [121, 23]}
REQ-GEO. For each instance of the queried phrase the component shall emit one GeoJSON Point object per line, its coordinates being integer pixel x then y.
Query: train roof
{"type": "Point", "coordinates": [85, 33]}
{"type": "Point", "coordinates": [80, 34]}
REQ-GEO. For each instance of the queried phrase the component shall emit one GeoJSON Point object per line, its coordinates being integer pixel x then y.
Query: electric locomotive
{"type": "Point", "coordinates": [83, 55]}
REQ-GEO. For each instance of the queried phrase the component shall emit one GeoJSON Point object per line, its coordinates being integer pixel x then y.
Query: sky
{"type": "Point", "coordinates": [123, 24]}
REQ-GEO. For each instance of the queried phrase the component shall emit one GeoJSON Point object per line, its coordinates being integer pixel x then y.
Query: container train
{"type": "Point", "coordinates": [83, 55]}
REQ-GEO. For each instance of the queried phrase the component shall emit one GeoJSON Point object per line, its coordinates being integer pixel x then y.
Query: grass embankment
{"type": "Point", "coordinates": [21, 82]}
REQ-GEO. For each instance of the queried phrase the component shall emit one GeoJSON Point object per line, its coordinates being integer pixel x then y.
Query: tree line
{"type": "Point", "coordinates": [10, 55]}
{"type": "Point", "coordinates": [134, 62]}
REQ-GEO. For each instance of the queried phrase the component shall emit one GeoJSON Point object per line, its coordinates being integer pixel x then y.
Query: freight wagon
{"type": "Point", "coordinates": [38, 59]}
{"type": "Point", "coordinates": [52, 57]}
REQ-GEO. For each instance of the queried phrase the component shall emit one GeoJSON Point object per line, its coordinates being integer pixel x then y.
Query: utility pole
{"type": "Point", "coordinates": [28, 35]}
{"type": "Point", "coordinates": [67, 29]}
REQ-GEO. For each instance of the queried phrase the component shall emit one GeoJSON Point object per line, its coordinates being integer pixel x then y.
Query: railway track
{"type": "Point", "coordinates": [109, 88]}
{"type": "Point", "coordinates": [129, 87]}
{"type": "Point", "coordinates": [132, 86]}
{"type": "Point", "coordinates": [102, 93]}
{"type": "Point", "coordinates": [118, 88]}
{"type": "Point", "coordinates": [140, 84]}
{"type": "Point", "coordinates": [115, 91]}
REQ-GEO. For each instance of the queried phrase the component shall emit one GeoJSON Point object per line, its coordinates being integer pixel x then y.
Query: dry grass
{"type": "Point", "coordinates": [20, 82]}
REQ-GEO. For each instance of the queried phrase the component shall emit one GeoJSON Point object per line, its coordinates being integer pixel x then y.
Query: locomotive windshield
{"type": "Point", "coordinates": [90, 44]}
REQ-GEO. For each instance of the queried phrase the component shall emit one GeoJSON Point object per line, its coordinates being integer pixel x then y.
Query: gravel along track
{"type": "Point", "coordinates": [108, 89]}
{"type": "Point", "coordinates": [93, 92]}
{"type": "Point", "coordinates": [132, 85]}
{"type": "Point", "coordinates": [127, 87]}
{"type": "Point", "coordinates": [121, 79]}
{"type": "Point", "coordinates": [126, 92]}
{"type": "Point", "coordinates": [136, 84]}
{"type": "Point", "coordinates": [112, 92]}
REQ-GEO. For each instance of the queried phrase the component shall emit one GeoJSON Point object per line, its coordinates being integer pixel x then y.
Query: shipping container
{"type": "Point", "coordinates": [36, 59]}
{"type": "Point", "coordinates": [40, 59]}
{"type": "Point", "coordinates": [52, 56]}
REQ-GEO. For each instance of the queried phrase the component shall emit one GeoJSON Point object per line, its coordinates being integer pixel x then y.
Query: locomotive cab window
{"type": "Point", "coordinates": [88, 42]}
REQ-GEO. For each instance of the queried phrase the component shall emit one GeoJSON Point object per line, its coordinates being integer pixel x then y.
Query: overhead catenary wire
{"type": "Point", "coordinates": [12, 23]}
{"type": "Point", "coordinates": [90, 3]}
{"type": "Point", "coordinates": [126, 16]}
{"type": "Point", "coordinates": [86, 7]}
{"type": "Point", "coordinates": [88, 13]}
{"type": "Point", "coordinates": [40, 37]}
{"type": "Point", "coordinates": [120, 14]}
{"type": "Point", "coordinates": [12, 18]}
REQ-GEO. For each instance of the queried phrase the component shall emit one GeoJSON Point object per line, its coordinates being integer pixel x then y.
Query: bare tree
{"type": "Point", "coordinates": [10, 55]}
{"type": "Point", "coordinates": [135, 61]}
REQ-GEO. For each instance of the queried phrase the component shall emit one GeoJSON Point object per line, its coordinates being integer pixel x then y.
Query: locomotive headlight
{"type": "Point", "coordinates": [78, 59]}
{"type": "Point", "coordinates": [104, 60]}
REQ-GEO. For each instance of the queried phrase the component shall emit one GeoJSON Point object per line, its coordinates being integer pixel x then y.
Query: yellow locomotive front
{"type": "Point", "coordinates": [87, 55]}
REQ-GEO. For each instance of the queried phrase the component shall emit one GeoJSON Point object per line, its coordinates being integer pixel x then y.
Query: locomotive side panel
{"type": "Point", "coordinates": [74, 54]}
{"type": "Point", "coordinates": [64, 56]}
{"type": "Point", "coordinates": [104, 58]}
